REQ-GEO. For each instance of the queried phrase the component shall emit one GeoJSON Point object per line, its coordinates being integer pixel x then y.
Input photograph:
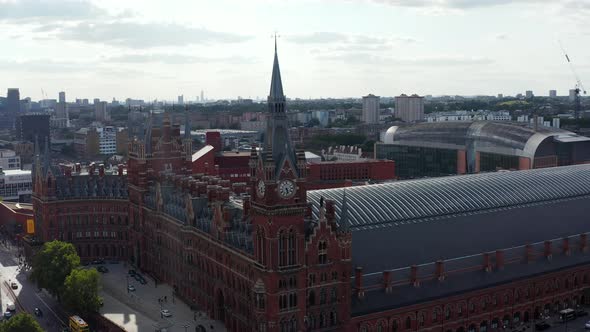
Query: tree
{"type": "Point", "coordinates": [21, 323]}
{"type": "Point", "coordinates": [52, 264]}
{"type": "Point", "coordinates": [81, 291]}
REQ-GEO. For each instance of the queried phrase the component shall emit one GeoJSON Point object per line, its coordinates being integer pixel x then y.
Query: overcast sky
{"type": "Point", "coordinates": [328, 48]}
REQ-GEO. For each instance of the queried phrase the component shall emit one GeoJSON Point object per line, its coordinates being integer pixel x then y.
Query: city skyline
{"type": "Point", "coordinates": [148, 50]}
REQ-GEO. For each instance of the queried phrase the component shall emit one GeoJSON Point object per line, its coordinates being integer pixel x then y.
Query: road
{"type": "Point", "coordinates": [26, 297]}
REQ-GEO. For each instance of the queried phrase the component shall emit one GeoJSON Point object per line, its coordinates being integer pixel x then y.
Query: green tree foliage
{"type": "Point", "coordinates": [81, 291]}
{"type": "Point", "coordinates": [52, 264]}
{"type": "Point", "coordinates": [21, 323]}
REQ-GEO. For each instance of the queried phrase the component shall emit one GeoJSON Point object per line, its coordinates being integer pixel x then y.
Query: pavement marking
{"type": "Point", "coordinates": [47, 306]}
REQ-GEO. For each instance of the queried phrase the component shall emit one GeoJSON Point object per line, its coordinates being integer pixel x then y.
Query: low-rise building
{"type": "Point", "coordinates": [15, 185]}
{"type": "Point", "coordinates": [9, 159]}
{"type": "Point", "coordinates": [86, 142]}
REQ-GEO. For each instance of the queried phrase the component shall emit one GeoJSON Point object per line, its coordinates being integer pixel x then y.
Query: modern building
{"type": "Point", "coordinates": [529, 94]}
{"type": "Point", "coordinates": [343, 153]}
{"type": "Point", "coordinates": [15, 185]}
{"type": "Point", "coordinates": [469, 116]}
{"type": "Point", "coordinates": [101, 111]}
{"type": "Point", "coordinates": [31, 127]}
{"type": "Point", "coordinates": [107, 140]}
{"type": "Point", "coordinates": [62, 97]}
{"type": "Point", "coordinates": [9, 160]}
{"type": "Point", "coordinates": [460, 253]}
{"type": "Point", "coordinates": [87, 143]}
{"type": "Point", "coordinates": [11, 109]}
{"type": "Point", "coordinates": [572, 94]}
{"type": "Point", "coordinates": [181, 100]}
{"type": "Point", "coordinates": [409, 108]}
{"type": "Point", "coordinates": [447, 148]}
{"type": "Point", "coordinates": [552, 93]}
{"type": "Point", "coordinates": [370, 109]}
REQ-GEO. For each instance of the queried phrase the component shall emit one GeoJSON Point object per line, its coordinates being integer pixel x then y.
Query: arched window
{"type": "Point", "coordinates": [333, 321]}
{"type": "Point", "coordinates": [380, 327]}
{"type": "Point", "coordinates": [471, 328]}
{"type": "Point", "coordinates": [448, 313]}
{"type": "Point", "coordinates": [483, 327]}
{"type": "Point", "coordinates": [333, 295]}
{"type": "Point", "coordinates": [260, 246]}
{"type": "Point", "coordinates": [284, 325]}
{"type": "Point", "coordinates": [323, 296]}
{"type": "Point", "coordinates": [292, 259]}
{"type": "Point", "coordinates": [421, 319]}
{"type": "Point", "coordinates": [435, 314]}
{"type": "Point", "coordinates": [322, 252]}
{"type": "Point", "coordinates": [311, 298]}
{"type": "Point", "coordinates": [408, 322]}
{"type": "Point", "coordinates": [282, 249]}
{"type": "Point", "coordinates": [394, 326]}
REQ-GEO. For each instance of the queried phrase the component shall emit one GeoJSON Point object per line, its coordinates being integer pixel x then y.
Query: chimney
{"type": "Point", "coordinates": [120, 169]}
{"type": "Point", "coordinates": [101, 170]}
{"type": "Point", "coordinates": [583, 242]}
{"type": "Point", "coordinates": [387, 281]}
{"type": "Point", "coordinates": [499, 260]}
{"type": "Point", "coordinates": [529, 253]}
{"type": "Point", "coordinates": [358, 280]}
{"type": "Point", "coordinates": [566, 246]}
{"type": "Point", "coordinates": [414, 275]}
{"type": "Point", "coordinates": [78, 168]}
{"type": "Point", "coordinates": [548, 251]}
{"type": "Point", "coordinates": [440, 270]}
{"type": "Point", "coordinates": [487, 266]}
{"type": "Point", "coordinates": [91, 169]}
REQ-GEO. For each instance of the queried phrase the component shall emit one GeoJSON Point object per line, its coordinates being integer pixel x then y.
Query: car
{"type": "Point", "coordinates": [131, 272]}
{"type": "Point", "coordinates": [102, 269]}
{"type": "Point", "coordinates": [142, 281]}
{"type": "Point", "coordinates": [166, 313]}
{"type": "Point", "coordinates": [587, 325]}
{"type": "Point", "coordinates": [8, 314]}
{"type": "Point", "coordinates": [581, 313]}
{"type": "Point", "coordinates": [38, 312]}
{"type": "Point", "coordinates": [131, 288]}
{"type": "Point", "coordinates": [137, 277]}
{"type": "Point", "coordinates": [11, 307]}
{"type": "Point", "coordinates": [13, 285]}
{"type": "Point", "coordinates": [542, 326]}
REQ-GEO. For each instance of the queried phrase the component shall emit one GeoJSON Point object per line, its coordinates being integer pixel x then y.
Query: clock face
{"type": "Point", "coordinates": [260, 188]}
{"type": "Point", "coordinates": [286, 188]}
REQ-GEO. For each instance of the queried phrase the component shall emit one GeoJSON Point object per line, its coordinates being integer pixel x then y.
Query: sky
{"type": "Point", "coordinates": [155, 49]}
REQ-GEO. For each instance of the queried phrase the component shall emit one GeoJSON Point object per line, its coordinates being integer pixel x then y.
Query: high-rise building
{"type": "Point", "coordinates": [202, 96]}
{"type": "Point", "coordinates": [101, 111]}
{"type": "Point", "coordinates": [370, 109]}
{"type": "Point", "coordinates": [409, 108]}
{"type": "Point", "coordinates": [33, 127]}
{"type": "Point", "coordinates": [500, 96]}
{"type": "Point", "coordinates": [62, 97]}
{"type": "Point", "coordinates": [552, 93]}
{"type": "Point", "coordinates": [181, 100]}
{"type": "Point", "coordinates": [13, 101]}
{"type": "Point", "coordinates": [529, 94]}
{"type": "Point", "coordinates": [96, 101]}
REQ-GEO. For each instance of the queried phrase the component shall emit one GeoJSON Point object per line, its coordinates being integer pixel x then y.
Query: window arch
{"type": "Point", "coordinates": [435, 315]}
{"type": "Point", "coordinates": [261, 246]}
{"type": "Point", "coordinates": [421, 319]}
{"type": "Point", "coordinates": [408, 322]}
{"type": "Point", "coordinates": [322, 252]}
{"type": "Point", "coordinates": [282, 248]}
{"type": "Point", "coordinates": [292, 248]}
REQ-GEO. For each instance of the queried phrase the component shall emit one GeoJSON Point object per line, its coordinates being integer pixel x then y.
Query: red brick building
{"type": "Point", "coordinates": [334, 174]}
{"type": "Point", "coordinates": [463, 253]}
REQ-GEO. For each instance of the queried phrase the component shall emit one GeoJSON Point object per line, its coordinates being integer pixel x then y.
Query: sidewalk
{"type": "Point", "coordinates": [140, 310]}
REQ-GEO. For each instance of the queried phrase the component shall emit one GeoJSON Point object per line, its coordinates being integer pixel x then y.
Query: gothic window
{"type": "Point", "coordinates": [311, 298]}
{"type": "Point", "coordinates": [322, 296]}
{"type": "Point", "coordinates": [380, 327]}
{"type": "Point", "coordinates": [322, 253]}
{"type": "Point", "coordinates": [259, 300]}
{"type": "Point", "coordinates": [421, 319]}
{"type": "Point", "coordinates": [292, 300]}
{"type": "Point", "coordinates": [282, 249]}
{"type": "Point", "coordinates": [408, 323]}
{"type": "Point", "coordinates": [261, 246]}
{"type": "Point", "coordinates": [447, 313]}
{"type": "Point", "coordinates": [333, 295]}
{"type": "Point", "coordinates": [435, 315]}
{"type": "Point", "coordinates": [292, 248]}
{"type": "Point", "coordinates": [333, 320]}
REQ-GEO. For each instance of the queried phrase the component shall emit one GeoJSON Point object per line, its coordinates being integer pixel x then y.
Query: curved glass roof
{"type": "Point", "coordinates": [408, 201]}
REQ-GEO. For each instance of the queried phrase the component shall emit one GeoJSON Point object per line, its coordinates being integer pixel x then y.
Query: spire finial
{"type": "Point", "coordinates": [275, 42]}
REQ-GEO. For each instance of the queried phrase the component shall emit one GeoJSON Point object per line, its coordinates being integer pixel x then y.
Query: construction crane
{"type": "Point", "coordinates": [579, 86]}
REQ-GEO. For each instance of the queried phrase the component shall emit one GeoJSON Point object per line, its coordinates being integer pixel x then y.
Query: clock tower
{"type": "Point", "coordinates": [278, 212]}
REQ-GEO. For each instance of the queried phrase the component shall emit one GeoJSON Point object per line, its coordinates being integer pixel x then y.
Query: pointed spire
{"type": "Point", "coordinates": [344, 225]}
{"type": "Point", "coordinates": [47, 155]}
{"type": "Point", "coordinates": [276, 84]}
{"type": "Point", "coordinates": [187, 124]}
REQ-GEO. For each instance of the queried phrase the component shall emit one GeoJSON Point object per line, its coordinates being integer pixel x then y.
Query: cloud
{"type": "Point", "coordinates": [176, 59]}
{"type": "Point", "coordinates": [501, 36]}
{"type": "Point", "coordinates": [455, 4]}
{"type": "Point", "coordinates": [45, 9]}
{"type": "Point", "coordinates": [42, 66]}
{"type": "Point", "coordinates": [139, 35]}
{"type": "Point", "coordinates": [318, 38]}
{"type": "Point", "coordinates": [371, 59]}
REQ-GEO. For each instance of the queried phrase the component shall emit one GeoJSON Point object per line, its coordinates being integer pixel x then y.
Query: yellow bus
{"type": "Point", "coordinates": [77, 324]}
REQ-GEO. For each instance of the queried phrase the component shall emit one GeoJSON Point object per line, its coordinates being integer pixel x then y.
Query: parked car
{"type": "Point", "coordinates": [581, 313]}
{"type": "Point", "coordinates": [142, 281]}
{"type": "Point", "coordinates": [38, 312]}
{"type": "Point", "coordinates": [11, 307]}
{"type": "Point", "coordinates": [587, 326]}
{"type": "Point", "coordinates": [131, 272]}
{"type": "Point", "coordinates": [542, 326]}
{"type": "Point", "coordinates": [166, 313]}
{"type": "Point", "coordinates": [102, 269]}
{"type": "Point", "coordinates": [7, 314]}
{"type": "Point", "coordinates": [13, 285]}
{"type": "Point", "coordinates": [137, 277]}
{"type": "Point", "coordinates": [131, 288]}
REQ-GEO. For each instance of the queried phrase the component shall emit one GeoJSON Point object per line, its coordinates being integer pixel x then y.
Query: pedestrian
{"type": "Point", "coordinates": [165, 298]}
